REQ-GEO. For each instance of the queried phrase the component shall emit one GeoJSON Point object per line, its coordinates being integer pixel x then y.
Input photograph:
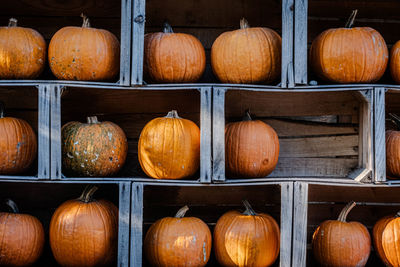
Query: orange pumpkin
{"type": "Point", "coordinates": [395, 62]}
{"type": "Point", "coordinates": [173, 57]}
{"type": "Point", "coordinates": [246, 239]}
{"type": "Point", "coordinates": [393, 148]}
{"type": "Point", "coordinates": [349, 55]}
{"type": "Point", "coordinates": [18, 145]}
{"type": "Point", "coordinates": [22, 52]}
{"type": "Point", "coordinates": [377, 233]}
{"type": "Point", "coordinates": [169, 147]}
{"type": "Point", "coordinates": [178, 241]}
{"type": "Point", "coordinates": [93, 148]}
{"type": "Point", "coordinates": [84, 53]}
{"type": "Point", "coordinates": [251, 148]}
{"type": "Point", "coordinates": [338, 243]}
{"type": "Point", "coordinates": [84, 231]}
{"type": "Point", "coordinates": [247, 55]}
{"type": "Point", "coordinates": [22, 238]}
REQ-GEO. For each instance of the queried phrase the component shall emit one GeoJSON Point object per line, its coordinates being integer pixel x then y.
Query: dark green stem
{"type": "Point", "coordinates": [87, 194]}
{"type": "Point", "coordinates": [350, 21]}
{"type": "Point", "coordinates": [249, 210]}
{"type": "Point", "coordinates": [167, 28]}
{"type": "Point", "coordinates": [247, 116]}
{"type": "Point", "coordinates": [12, 206]}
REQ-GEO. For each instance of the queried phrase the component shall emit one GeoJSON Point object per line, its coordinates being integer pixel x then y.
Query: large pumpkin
{"type": "Point", "coordinates": [247, 55]}
{"type": "Point", "coordinates": [22, 52]}
{"type": "Point", "coordinates": [178, 242]}
{"type": "Point", "coordinates": [22, 238]}
{"type": "Point", "coordinates": [377, 233]}
{"type": "Point", "coordinates": [246, 239]}
{"type": "Point", "coordinates": [93, 148]}
{"type": "Point", "coordinates": [338, 243]}
{"type": "Point", "coordinates": [173, 57]}
{"type": "Point", "coordinates": [393, 149]}
{"type": "Point", "coordinates": [349, 55]}
{"type": "Point", "coordinates": [169, 147]}
{"type": "Point", "coordinates": [84, 231]}
{"type": "Point", "coordinates": [395, 62]}
{"type": "Point", "coordinates": [84, 53]}
{"type": "Point", "coordinates": [18, 144]}
{"type": "Point", "coordinates": [251, 148]}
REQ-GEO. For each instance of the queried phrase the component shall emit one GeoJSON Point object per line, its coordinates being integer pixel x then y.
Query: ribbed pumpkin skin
{"type": "Point", "coordinates": [251, 149]}
{"type": "Point", "coordinates": [249, 55]}
{"type": "Point", "coordinates": [341, 244]}
{"type": "Point", "coordinates": [245, 240]}
{"type": "Point", "coordinates": [173, 57]}
{"type": "Point", "coordinates": [21, 239]}
{"type": "Point", "coordinates": [395, 62]}
{"type": "Point", "coordinates": [84, 234]}
{"type": "Point", "coordinates": [18, 145]}
{"type": "Point", "coordinates": [169, 148]}
{"type": "Point", "coordinates": [391, 242]}
{"type": "Point", "coordinates": [354, 55]}
{"type": "Point", "coordinates": [393, 153]}
{"type": "Point", "coordinates": [22, 53]}
{"type": "Point", "coordinates": [98, 149]}
{"type": "Point", "coordinates": [84, 54]}
{"type": "Point", "coordinates": [377, 233]}
{"type": "Point", "coordinates": [178, 242]}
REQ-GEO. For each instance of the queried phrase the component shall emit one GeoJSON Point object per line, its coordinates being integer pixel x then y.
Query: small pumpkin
{"type": "Point", "coordinates": [338, 243]}
{"type": "Point", "coordinates": [246, 239]}
{"type": "Point", "coordinates": [169, 147]}
{"type": "Point", "coordinates": [18, 145]}
{"type": "Point", "coordinates": [22, 52]}
{"type": "Point", "coordinates": [393, 149]}
{"type": "Point", "coordinates": [251, 148]}
{"type": "Point", "coordinates": [377, 233]}
{"type": "Point", "coordinates": [22, 237]}
{"type": "Point", "coordinates": [179, 241]}
{"type": "Point", "coordinates": [173, 57]}
{"type": "Point", "coordinates": [247, 55]}
{"type": "Point", "coordinates": [84, 53]}
{"type": "Point", "coordinates": [349, 55]}
{"type": "Point", "coordinates": [93, 148]}
{"type": "Point", "coordinates": [395, 62]}
{"type": "Point", "coordinates": [84, 231]}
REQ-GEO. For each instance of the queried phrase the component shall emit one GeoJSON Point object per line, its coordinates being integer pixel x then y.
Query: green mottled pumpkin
{"type": "Point", "coordinates": [93, 148]}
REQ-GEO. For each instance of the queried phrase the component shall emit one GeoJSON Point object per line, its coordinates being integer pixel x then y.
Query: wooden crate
{"type": "Point", "coordinates": [32, 104]}
{"type": "Point", "coordinates": [50, 16]}
{"type": "Point", "coordinates": [152, 201]}
{"type": "Point", "coordinates": [317, 202]}
{"type": "Point", "coordinates": [41, 199]}
{"type": "Point", "coordinates": [207, 19]}
{"type": "Point", "coordinates": [131, 109]}
{"type": "Point", "coordinates": [324, 134]}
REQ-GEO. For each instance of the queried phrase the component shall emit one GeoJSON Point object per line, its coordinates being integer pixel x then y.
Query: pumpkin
{"type": "Point", "coordinates": [169, 147]}
{"type": "Point", "coordinates": [84, 231]}
{"type": "Point", "coordinates": [377, 233]}
{"type": "Point", "coordinates": [22, 52]}
{"type": "Point", "coordinates": [22, 237]}
{"type": "Point", "coordinates": [251, 148]}
{"type": "Point", "coordinates": [349, 55]}
{"type": "Point", "coordinates": [178, 241]}
{"type": "Point", "coordinates": [173, 57]}
{"type": "Point", "coordinates": [338, 243]}
{"type": "Point", "coordinates": [18, 145]}
{"type": "Point", "coordinates": [393, 149]}
{"type": "Point", "coordinates": [84, 53]}
{"type": "Point", "coordinates": [247, 55]}
{"type": "Point", "coordinates": [246, 239]}
{"type": "Point", "coordinates": [93, 148]}
{"type": "Point", "coordinates": [395, 62]}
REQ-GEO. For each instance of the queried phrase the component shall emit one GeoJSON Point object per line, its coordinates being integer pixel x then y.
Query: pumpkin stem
{"type": "Point", "coordinates": [172, 114]}
{"type": "Point", "coordinates": [2, 108]}
{"type": "Point", "coordinates": [87, 194]}
{"type": "Point", "coordinates": [395, 119]}
{"type": "Point", "coordinates": [86, 21]}
{"type": "Point", "coordinates": [181, 212]}
{"type": "Point", "coordinates": [244, 24]}
{"type": "Point", "coordinates": [345, 211]}
{"type": "Point", "coordinates": [12, 206]}
{"type": "Point", "coordinates": [350, 21]}
{"type": "Point", "coordinates": [12, 22]}
{"type": "Point", "coordinates": [247, 116]}
{"type": "Point", "coordinates": [92, 120]}
{"type": "Point", "coordinates": [167, 27]}
{"type": "Point", "coordinates": [397, 214]}
{"type": "Point", "coordinates": [249, 210]}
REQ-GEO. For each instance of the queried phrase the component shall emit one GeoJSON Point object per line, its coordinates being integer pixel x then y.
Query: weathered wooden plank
{"type": "Point", "coordinates": [55, 132]}
{"type": "Point", "coordinates": [124, 223]}
{"type": "Point", "coordinates": [138, 21]}
{"type": "Point", "coordinates": [44, 132]}
{"type": "Point", "coordinates": [300, 41]}
{"type": "Point", "coordinates": [379, 135]}
{"type": "Point", "coordinates": [286, 224]}
{"type": "Point", "coordinates": [136, 225]}
{"type": "Point", "coordinates": [218, 140]}
{"type": "Point", "coordinates": [205, 135]}
{"type": "Point", "coordinates": [126, 29]}
{"type": "Point", "coordinates": [366, 131]}
{"type": "Point", "coordinates": [300, 207]}
{"type": "Point", "coordinates": [287, 72]}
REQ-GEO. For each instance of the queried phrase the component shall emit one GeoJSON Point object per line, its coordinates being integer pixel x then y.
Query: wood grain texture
{"type": "Point", "coordinates": [136, 238]}
{"type": "Point", "coordinates": [138, 21]}
{"type": "Point", "coordinates": [44, 132]}
{"type": "Point", "coordinates": [300, 41]}
{"type": "Point", "coordinates": [287, 72]}
{"type": "Point", "coordinates": [286, 224]}
{"type": "Point", "coordinates": [218, 140]}
{"type": "Point", "coordinates": [379, 135]}
{"type": "Point", "coordinates": [205, 135]}
{"type": "Point", "coordinates": [300, 205]}
{"type": "Point", "coordinates": [55, 132]}
{"type": "Point", "coordinates": [124, 224]}
{"type": "Point", "coordinates": [126, 29]}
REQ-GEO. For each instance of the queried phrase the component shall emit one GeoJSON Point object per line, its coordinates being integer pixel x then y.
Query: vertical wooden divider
{"type": "Point", "coordinates": [44, 92]}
